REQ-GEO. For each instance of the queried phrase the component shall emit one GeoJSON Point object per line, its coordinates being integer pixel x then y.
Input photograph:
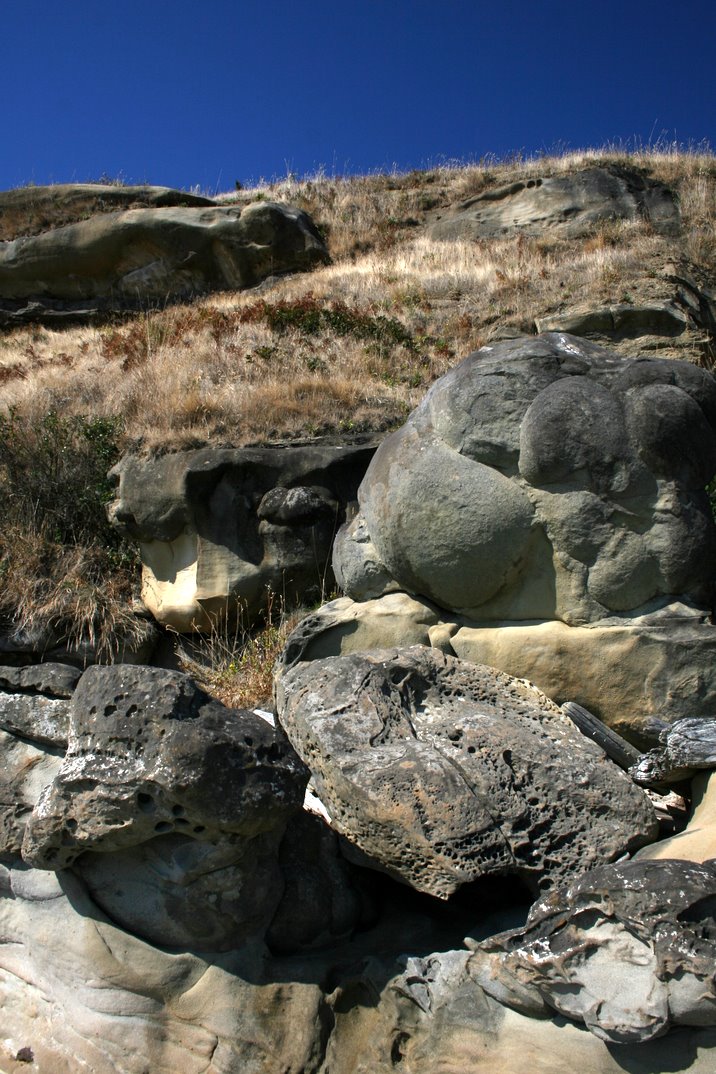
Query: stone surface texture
{"type": "Point", "coordinates": [556, 490]}
{"type": "Point", "coordinates": [170, 807]}
{"type": "Point", "coordinates": [550, 479]}
{"type": "Point", "coordinates": [93, 995]}
{"type": "Point", "coordinates": [697, 842]}
{"type": "Point", "coordinates": [443, 771]}
{"type": "Point", "coordinates": [628, 949]}
{"type": "Point", "coordinates": [220, 528]}
{"type": "Point", "coordinates": [569, 205]}
{"type": "Point", "coordinates": [686, 746]}
{"type": "Point", "coordinates": [30, 210]}
{"type": "Point", "coordinates": [145, 256]}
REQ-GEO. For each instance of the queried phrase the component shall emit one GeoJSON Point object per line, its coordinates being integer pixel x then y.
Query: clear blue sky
{"type": "Point", "coordinates": [205, 93]}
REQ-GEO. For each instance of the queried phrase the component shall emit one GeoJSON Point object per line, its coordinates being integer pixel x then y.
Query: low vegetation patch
{"type": "Point", "coordinates": [348, 349]}
{"type": "Point", "coordinates": [65, 574]}
{"type": "Point", "coordinates": [235, 663]}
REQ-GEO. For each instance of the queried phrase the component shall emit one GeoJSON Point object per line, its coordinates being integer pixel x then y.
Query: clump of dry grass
{"type": "Point", "coordinates": [66, 576]}
{"type": "Point", "coordinates": [353, 345]}
{"type": "Point", "coordinates": [348, 349]}
{"type": "Point", "coordinates": [235, 664]}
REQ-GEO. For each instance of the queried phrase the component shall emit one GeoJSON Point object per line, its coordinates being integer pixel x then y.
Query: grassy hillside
{"type": "Point", "coordinates": [346, 350]}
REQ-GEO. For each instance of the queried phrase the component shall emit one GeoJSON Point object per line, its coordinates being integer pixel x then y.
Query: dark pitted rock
{"type": "Point", "coordinates": [140, 257]}
{"type": "Point", "coordinates": [628, 949]}
{"type": "Point", "coordinates": [443, 771]}
{"type": "Point", "coordinates": [34, 701]}
{"type": "Point", "coordinates": [29, 210]}
{"type": "Point", "coordinates": [221, 527]}
{"type": "Point", "coordinates": [150, 753]}
{"type": "Point", "coordinates": [688, 745]}
{"type": "Point", "coordinates": [51, 680]}
{"type": "Point", "coordinates": [569, 205]}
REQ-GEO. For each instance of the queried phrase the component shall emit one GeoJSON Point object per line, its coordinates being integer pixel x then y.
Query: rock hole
{"type": "Point", "coordinates": [198, 829]}
{"type": "Point", "coordinates": [109, 710]}
{"type": "Point", "coordinates": [163, 826]}
{"type": "Point", "coordinates": [396, 1051]}
{"type": "Point", "coordinates": [71, 824]}
{"type": "Point", "coordinates": [182, 822]}
{"type": "Point", "coordinates": [471, 749]}
{"type": "Point", "coordinates": [146, 803]}
{"type": "Point", "coordinates": [248, 740]}
{"type": "Point", "coordinates": [178, 810]}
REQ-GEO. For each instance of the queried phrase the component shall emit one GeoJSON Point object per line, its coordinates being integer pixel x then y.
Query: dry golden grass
{"type": "Point", "coordinates": [348, 349]}
{"type": "Point", "coordinates": [201, 373]}
{"type": "Point", "coordinates": [236, 665]}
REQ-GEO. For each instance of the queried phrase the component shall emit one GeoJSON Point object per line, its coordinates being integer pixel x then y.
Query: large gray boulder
{"type": "Point", "coordinates": [147, 256]}
{"type": "Point", "coordinates": [443, 771]}
{"type": "Point", "coordinates": [219, 530]}
{"type": "Point", "coordinates": [170, 807]}
{"type": "Point", "coordinates": [548, 478]}
{"type": "Point", "coordinates": [568, 205]}
{"type": "Point", "coordinates": [555, 490]}
{"type": "Point", "coordinates": [628, 949]}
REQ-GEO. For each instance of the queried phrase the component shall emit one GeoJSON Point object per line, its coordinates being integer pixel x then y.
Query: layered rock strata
{"type": "Point", "coordinates": [220, 530]}
{"type": "Point", "coordinates": [141, 257]}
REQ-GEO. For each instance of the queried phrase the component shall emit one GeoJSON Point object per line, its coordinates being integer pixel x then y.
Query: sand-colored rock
{"type": "Point", "coordinates": [698, 840]}
{"type": "Point", "coordinates": [635, 674]}
{"type": "Point", "coordinates": [146, 256]}
{"type": "Point", "coordinates": [220, 530]}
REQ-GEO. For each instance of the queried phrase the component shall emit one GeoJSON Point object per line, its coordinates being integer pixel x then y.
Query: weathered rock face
{"type": "Point", "coordinates": [547, 483]}
{"type": "Point", "coordinates": [144, 256]}
{"type": "Point", "coordinates": [443, 771]}
{"type": "Point", "coordinates": [635, 674]}
{"type": "Point", "coordinates": [687, 745]}
{"type": "Point", "coordinates": [569, 205]}
{"type": "Point", "coordinates": [170, 807]}
{"type": "Point", "coordinates": [628, 949]}
{"type": "Point", "coordinates": [219, 529]}
{"type": "Point", "coordinates": [34, 701]}
{"type": "Point", "coordinates": [549, 479]}
{"type": "Point", "coordinates": [30, 210]}
{"type": "Point", "coordinates": [149, 753]}
{"type": "Point", "coordinates": [697, 842]}
{"type": "Point", "coordinates": [230, 950]}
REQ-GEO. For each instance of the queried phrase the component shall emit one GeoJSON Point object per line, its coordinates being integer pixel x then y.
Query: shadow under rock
{"type": "Point", "coordinates": [400, 923]}
{"type": "Point", "coordinates": [676, 1051]}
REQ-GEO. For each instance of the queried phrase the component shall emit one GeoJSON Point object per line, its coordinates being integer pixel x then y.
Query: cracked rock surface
{"type": "Point", "coordinates": [628, 949]}
{"type": "Point", "coordinates": [443, 771]}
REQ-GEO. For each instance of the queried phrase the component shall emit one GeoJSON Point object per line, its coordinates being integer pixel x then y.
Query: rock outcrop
{"type": "Point", "coordinates": [553, 489]}
{"type": "Point", "coordinates": [30, 210]}
{"type": "Point", "coordinates": [569, 205]}
{"type": "Point", "coordinates": [165, 901]}
{"type": "Point", "coordinates": [628, 949]}
{"type": "Point", "coordinates": [142, 257]}
{"type": "Point", "coordinates": [443, 771]}
{"type": "Point", "coordinates": [219, 529]}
